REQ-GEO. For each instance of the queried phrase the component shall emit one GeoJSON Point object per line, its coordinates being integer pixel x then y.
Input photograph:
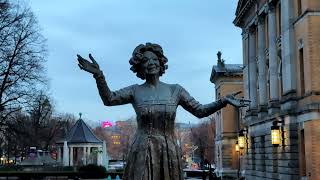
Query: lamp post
{"type": "Point", "coordinates": [238, 151]}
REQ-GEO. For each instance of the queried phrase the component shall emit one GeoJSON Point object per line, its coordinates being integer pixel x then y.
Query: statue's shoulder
{"type": "Point", "coordinates": [169, 85]}
{"type": "Point", "coordinates": [132, 87]}
{"type": "Point", "coordinates": [175, 88]}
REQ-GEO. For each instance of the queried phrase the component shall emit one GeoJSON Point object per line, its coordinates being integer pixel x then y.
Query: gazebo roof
{"type": "Point", "coordinates": [80, 133]}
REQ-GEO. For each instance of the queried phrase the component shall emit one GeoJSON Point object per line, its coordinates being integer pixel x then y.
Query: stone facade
{"type": "Point", "coordinates": [281, 55]}
{"type": "Point", "coordinates": [227, 79]}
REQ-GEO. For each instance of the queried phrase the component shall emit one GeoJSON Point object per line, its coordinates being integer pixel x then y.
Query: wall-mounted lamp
{"type": "Point", "coordinates": [276, 133]}
{"type": "Point", "coordinates": [242, 138]}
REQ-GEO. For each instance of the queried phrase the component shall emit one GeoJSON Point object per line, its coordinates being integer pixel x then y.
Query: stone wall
{"type": "Point", "coordinates": [312, 148]}
{"type": "Point", "coordinates": [268, 162]}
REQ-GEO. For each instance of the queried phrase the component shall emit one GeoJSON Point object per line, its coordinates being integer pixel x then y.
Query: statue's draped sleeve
{"type": "Point", "coordinates": [112, 98]}
{"type": "Point", "coordinates": [195, 108]}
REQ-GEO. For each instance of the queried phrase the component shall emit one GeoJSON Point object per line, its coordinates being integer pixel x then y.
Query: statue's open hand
{"type": "Point", "coordinates": [86, 65]}
{"type": "Point", "coordinates": [231, 99]}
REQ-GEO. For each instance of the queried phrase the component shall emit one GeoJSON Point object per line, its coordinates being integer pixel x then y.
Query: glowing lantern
{"type": "Point", "coordinates": [241, 140]}
{"type": "Point", "coordinates": [275, 135]}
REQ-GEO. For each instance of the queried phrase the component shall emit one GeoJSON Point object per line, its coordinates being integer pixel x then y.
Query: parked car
{"type": "Point", "coordinates": [116, 165]}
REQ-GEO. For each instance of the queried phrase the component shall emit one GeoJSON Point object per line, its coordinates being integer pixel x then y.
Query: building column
{"type": "Point", "coordinates": [65, 154]}
{"type": "Point", "coordinates": [245, 62]}
{"type": "Point", "coordinates": [262, 65]}
{"type": "Point", "coordinates": [71, 156]}
{"type": "Point", "coordinates": [252, 69]}
{"type": "Point", "coordinates": [273, 61]}
{"type": "Point", "coordinates": [287, 51]}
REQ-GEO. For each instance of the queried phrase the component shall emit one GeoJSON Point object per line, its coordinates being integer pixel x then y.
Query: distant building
{"type": "Point", "coordinates": [281, 56]}
{"type": "Point", "coordinates": [120, 138]}
{"type": "Point", "coordinates": [227, 79]}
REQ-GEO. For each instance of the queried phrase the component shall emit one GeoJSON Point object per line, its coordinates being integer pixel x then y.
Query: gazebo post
{"type": "Point", "coordinates": [71, 156]}
{"type": "Point", "coordinates": [99, 157]}
{"type": "Point", "coordinates": [59, 154]}
{"type": "Point", "coordinates": [65, 154]}
{"type": "Point", "coordinates": [88, 155]}
{"type": "Point", "coordinates": [104, 155]}
{"type": "Point", "coordinates": [84, 155]}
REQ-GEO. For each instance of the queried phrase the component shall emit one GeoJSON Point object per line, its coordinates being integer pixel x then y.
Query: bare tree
{"type": "Point", "coordinates": [22, 52]}
{"type": "Point", "coordinates": [203, 136]}
{"type": "Point", "coordinates": [38, 127]}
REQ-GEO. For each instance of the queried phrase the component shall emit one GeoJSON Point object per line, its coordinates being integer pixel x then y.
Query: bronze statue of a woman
{"type": "Point", "coordinates": [154, 153]}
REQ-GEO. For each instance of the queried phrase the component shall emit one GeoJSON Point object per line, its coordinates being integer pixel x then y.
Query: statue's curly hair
{"type": "Point", "coordinates": [137, 56]}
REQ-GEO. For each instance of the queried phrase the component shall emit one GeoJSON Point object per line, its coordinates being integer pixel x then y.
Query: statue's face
{"type": "Point", "coordinates": [150, 64]}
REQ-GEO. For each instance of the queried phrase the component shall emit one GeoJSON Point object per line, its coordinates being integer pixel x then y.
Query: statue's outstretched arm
{"type": "Point", "coordinates": [197, 109]}
{"type": "Point", "coordinates": [109, 98]}
{"type": "Point", "coordinates": [200, 111]}
{"type": "Point", "coordinates": [112, 98]}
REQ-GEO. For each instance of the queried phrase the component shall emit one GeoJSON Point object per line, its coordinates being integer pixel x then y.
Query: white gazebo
{"type": "Point", "coordinates": [81, 147]}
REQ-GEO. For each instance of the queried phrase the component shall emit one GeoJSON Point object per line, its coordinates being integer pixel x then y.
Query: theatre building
{"type": "Point", "coordinates": [281, 76]}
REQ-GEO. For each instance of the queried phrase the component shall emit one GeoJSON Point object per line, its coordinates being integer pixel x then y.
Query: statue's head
{"type": "Point", "coordinates": [148, 59]}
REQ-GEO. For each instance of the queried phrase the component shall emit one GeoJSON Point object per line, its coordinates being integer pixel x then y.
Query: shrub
{"type": "Point", "coordinates": [68, 168]}
{"type": "Point", "coordinates": [92, 171]}
{"type": "Point", "coordinates": [10, 168]}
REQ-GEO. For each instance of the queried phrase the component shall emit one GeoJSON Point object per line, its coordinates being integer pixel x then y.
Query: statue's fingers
{"type": "Point", "coordinates": [92, 59]}
{"type": "Point", "coordinates": [79, 57]}
{"type": "Point", "coordinates": [83, 68]}
{"type": "Point", "coordinates": [246, 103]}
{"type": "Point", "coordinates": [80, 66]}
{"type": "Point", "coordinates": [82, 62]}
{"type": "Point", "coordinates": [236, 93]}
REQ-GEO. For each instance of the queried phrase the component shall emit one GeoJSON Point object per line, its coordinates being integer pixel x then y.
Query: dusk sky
{"type": "Point", "coordinates": [189, 31]}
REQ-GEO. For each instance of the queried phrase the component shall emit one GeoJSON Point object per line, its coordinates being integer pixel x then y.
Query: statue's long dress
{"type": "Point", "coordinates": [154, 154]}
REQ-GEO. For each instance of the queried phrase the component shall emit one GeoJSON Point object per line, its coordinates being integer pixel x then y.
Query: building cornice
{"type": "Point", "coordinates": [308, 12]}
{"type": "Point", "coordinates": [214, 76]}
{"type": "Point", "coordinates": [241, 12]}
